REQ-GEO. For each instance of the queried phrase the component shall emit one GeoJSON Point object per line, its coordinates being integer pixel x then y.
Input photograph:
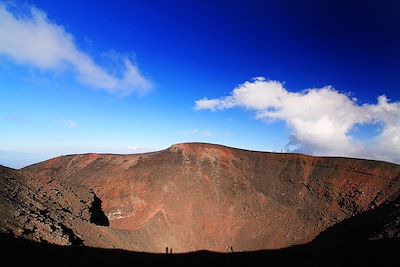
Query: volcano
{"type": "Point", "coordinates": [194, 196]}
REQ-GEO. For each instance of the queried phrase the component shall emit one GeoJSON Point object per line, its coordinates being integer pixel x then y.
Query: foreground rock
{"type": "Point", "coordinates": [44, 209]}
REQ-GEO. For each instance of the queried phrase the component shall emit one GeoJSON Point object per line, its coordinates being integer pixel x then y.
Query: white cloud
{"type": "Point", "coordinates": [67, 123]}
{"type": "Point", "coordinates": [137, 149]}
{"type": "Point", "coordinates": [34, 40]}
{"type": "Point", "coordinates": [134, 148]}
{"type": "Point", "coordinates": [207, 134]}
{"type": "Point", "coordinates": [17, 119]}
{"type": "Point", "coordinates": [195, 133]}
{"type": "Point", "coordinates": [320, 118]}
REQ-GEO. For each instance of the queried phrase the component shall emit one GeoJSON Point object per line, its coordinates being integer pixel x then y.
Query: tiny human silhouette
{"type": "Point", "coordinates": [170, 251]}
{"type": "Point", "coordinates": [231, 248]}
{"type": "Point", "coordinates": [166, 250]}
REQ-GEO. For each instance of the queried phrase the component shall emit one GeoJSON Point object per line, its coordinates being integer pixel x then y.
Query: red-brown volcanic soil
{"type": "Point", "coordinates": [198, 196]}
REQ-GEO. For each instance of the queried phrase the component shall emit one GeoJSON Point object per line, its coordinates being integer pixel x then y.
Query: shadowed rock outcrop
{"type": "Point", "coordinates": [200, 196]}
{"type": "Point", "coordinates": [97, 215]}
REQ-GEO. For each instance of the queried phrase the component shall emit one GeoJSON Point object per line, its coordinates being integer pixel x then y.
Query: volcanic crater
{"type": "Point", "coordinates": [192, 197]}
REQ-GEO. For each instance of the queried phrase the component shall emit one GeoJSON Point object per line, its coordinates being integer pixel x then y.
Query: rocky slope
{"type": "Point", "coordinates": [45, 209]}
{"type": "Point", "coordinates": [195, 196]}
{"type": "Point", "coordinates": [41, 208]}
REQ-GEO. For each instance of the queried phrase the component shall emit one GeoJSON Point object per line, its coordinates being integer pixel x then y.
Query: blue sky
{"type": "Point", "coordinates": [133, 76]}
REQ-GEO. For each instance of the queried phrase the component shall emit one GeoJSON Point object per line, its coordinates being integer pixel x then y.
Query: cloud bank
{"type": "Point", "coordinates": [30, 38]}
{"type": "Point", "coordinates": [320, 119]}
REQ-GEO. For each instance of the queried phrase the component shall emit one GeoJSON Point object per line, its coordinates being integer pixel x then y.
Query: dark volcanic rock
{"type": "Point", "coordinates": [200, 196]}
{"type": "Point", "coordinates": [40, 208]}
